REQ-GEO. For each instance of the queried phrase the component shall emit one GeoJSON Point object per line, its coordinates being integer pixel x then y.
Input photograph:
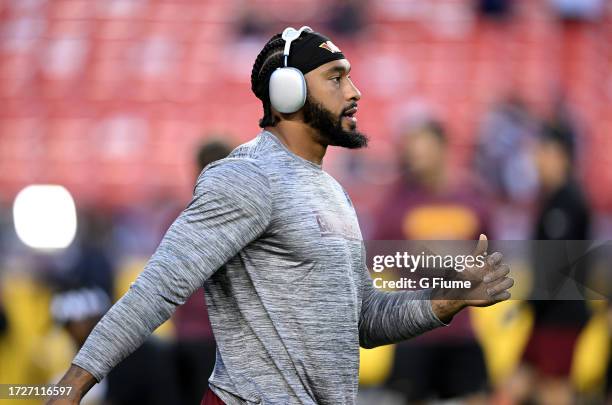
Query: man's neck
{"type": "Point", "coordinates": [300, 139]}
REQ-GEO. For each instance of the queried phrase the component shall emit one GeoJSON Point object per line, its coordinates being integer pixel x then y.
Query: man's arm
{"type": "Point", "coordinates": [390, 317]}
{"type": "Point", "coordinates": [231, 207]}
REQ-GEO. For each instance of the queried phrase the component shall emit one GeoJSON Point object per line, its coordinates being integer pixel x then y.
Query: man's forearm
{"type": "Point", "coordinates": [390, 317]}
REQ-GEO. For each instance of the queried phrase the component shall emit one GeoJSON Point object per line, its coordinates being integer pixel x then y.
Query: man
{"type": "Point", "coordinates": [275, 242]}
{"type": "Point", "coordinates": [560, 265]}
{"type": "Point", "coordinates": [427, 203]}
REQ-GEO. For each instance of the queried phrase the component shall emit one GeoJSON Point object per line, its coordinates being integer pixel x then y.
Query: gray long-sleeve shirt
{"type": "Point", "coordinates": [275, 242]}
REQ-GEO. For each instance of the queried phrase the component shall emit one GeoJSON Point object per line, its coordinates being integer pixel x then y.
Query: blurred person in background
{"type": "Point", "coordinates": [195, 342]}
{"type": "Point", "coordinates": [3, 320]}
{"type": "Point", "coordinates": [146, 377]}
{"type": "Point", "coordinates": [495, 9]}
{"type": "Point", "coordinates": [503, 160]}
{"type": "Point", "coordinates": [430, 203]}
{"type": "Point", "coordinates": [276, 244]}
{"type": "Point", "coordinates": [346, 17]}
{"type": "Point", "coordinates": [578, 10]}
{"type": "Point", "coordinates": [88, 261]}
{"type": "Point", "coordinates": [252, 21]}
{"type": "Point", "coordinates": [561, 312]}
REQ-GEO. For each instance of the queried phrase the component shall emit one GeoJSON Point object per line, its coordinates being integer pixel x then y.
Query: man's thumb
{"type": "Point", "coordinates": [482, 246]}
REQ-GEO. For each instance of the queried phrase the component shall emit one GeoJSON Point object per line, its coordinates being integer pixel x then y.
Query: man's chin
{"type": "Point", "coordinates": [351, 139]}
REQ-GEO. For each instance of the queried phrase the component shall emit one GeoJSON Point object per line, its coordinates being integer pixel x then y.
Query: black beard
{"type": "Point", "coordinates": [330, 126]}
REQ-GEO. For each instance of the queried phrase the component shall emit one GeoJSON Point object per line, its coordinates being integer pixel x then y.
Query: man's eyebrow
{"type": "Point", "coordinates": [338, 69]}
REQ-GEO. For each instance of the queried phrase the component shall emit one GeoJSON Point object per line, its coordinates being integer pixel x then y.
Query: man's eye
{"type": "Point", "coordinates": [336, 79]}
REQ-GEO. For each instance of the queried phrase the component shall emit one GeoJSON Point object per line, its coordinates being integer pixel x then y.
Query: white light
{"type": "Point", "coordinates": [45, 217]}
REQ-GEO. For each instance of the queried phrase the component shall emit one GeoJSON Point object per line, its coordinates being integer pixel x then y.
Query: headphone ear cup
{"type": "Point", "coordinates": [287, 90]}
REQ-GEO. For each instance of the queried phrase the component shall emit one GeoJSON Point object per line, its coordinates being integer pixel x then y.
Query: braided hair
{"type": "Point", "coordinates": [269, 59]}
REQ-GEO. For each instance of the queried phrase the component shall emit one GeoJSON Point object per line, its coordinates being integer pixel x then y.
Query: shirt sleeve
{"type": "Point", "coordinates": [230, 208]}
{"type": "Point", "coordinates": [392, 316]}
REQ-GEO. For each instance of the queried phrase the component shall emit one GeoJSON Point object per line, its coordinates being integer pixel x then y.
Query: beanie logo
{"type": "Point", "coordinates": [329, 45]}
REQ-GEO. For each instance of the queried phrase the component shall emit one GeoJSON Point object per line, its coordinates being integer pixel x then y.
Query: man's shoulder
{"type": "Point", "coordinates": [245, 160]}
{"type": "Point", "coordinates": [239, 182]}
{"type": "Point", "coordinates": [234, 172]}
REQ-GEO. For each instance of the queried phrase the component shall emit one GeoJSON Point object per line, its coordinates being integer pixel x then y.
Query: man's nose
{"type": "Point", "coordinates": [354, 93]}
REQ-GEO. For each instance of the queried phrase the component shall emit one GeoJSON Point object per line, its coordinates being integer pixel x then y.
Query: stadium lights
{"type": "Point", "coordinates": [45, 216]}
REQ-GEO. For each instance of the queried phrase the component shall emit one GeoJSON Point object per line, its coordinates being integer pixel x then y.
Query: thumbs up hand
{"type": "Point", "coordinates": [489, 285]}
{"type": "Point", "coordinates": [491, 280]}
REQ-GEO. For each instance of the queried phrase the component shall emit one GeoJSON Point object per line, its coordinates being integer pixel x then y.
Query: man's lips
{"type": "Point", "coordinates": [350, 114]}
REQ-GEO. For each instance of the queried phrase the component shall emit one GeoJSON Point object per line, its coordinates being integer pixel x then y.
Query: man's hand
{"type": "Point", "coordinates": [80, 380]}
{"type": "Point", "coordinates": [490, 282]}
{"type": "Point", "coordinates": [489, 285]}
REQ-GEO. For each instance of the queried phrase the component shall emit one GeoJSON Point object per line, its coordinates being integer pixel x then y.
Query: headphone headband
{"type": "Point", "coordinates": [289, 35]}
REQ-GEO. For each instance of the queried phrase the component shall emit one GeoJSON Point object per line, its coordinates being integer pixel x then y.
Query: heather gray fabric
{"type": "Point", "coordinates": [275, 242]}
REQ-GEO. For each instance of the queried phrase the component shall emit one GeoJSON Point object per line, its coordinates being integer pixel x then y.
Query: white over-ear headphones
{"type": "Point", "coordinates": [287, 88]}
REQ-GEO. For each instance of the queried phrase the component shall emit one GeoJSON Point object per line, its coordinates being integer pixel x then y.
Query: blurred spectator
{"type": "Point", "coordinates": [252, 22]}
{"type": "Point", "coordinates": [3, 320]}
{"type": "Point", "coordinates": [578, 10]}
{"type": "Point", "coordinates": [503, 154]}
{"type": "Point", "coordinates": [346, 17]}
{"type": "Point", "coordinates": [94, 266]}
{"type": "Point", "coordinates": [146, 377]}
{"type": "Point", "coordinates": [211, 151]}
{"type": "Point", "coordinates": [87, 262]}
{"type": "Point", "coordinates": [560, 311]}
{"type": "Point", "coordinates": [78, 311]}
{"type": "Point", "coordinates": [195, 344]}
{"type": "Point", "coordinates": [498, 9]}
{"type": "Point", "coordinates": [503, 161]}
{"type": "Point", "coordinates": [429, 203]}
